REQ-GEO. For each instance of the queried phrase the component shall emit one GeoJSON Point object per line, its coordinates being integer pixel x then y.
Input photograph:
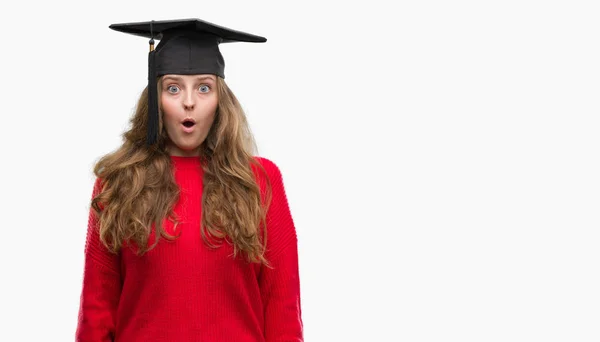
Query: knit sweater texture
{"type": "Point", "coordinates": [182, 290]}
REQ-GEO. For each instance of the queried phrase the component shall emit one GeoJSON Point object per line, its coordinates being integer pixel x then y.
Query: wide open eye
{"type": "Point", "coordinates": [173, 89]}
{"type": "Point", "coordinates": [204, 88]}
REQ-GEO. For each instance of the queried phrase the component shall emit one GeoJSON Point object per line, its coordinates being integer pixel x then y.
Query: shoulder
{"type": "Point", "coordinates": [272, 170]}
{"type": "Point", "coordinates": [267, 163]}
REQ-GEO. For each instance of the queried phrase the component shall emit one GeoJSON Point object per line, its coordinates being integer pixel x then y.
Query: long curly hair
{"type": "Point", "coordinates": [139, 189]}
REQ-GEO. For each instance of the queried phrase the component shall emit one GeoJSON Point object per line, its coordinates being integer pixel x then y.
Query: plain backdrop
{"type": "Point", "coordinates": [440, 158]}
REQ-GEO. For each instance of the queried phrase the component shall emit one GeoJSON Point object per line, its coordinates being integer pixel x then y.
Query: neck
{"type": "Point", "coordinates": [177, 152]}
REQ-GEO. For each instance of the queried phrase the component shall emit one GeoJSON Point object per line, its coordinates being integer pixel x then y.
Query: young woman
{"type": "Point", "coordinates": [190, 236]}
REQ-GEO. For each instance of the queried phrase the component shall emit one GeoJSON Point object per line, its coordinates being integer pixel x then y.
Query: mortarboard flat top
{"type": "Point", "coordinates": [155, 29]}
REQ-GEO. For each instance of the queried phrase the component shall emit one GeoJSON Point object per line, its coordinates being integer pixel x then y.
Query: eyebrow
{"type": "Point", "coordinates": [199, 78]}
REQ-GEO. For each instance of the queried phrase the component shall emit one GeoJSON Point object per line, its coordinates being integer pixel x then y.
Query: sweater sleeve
{"type": "Point", "coordinates": [101, 286]}
{"type": "Point", "coordinates": [280, 286]}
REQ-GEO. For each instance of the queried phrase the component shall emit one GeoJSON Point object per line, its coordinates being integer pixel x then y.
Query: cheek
{"type": "Point", "coordinates": [211, 107]}
{"type": "Point", "coordinates": [215, 104]}
{"type": "Point", "coordinates": [169, 110]}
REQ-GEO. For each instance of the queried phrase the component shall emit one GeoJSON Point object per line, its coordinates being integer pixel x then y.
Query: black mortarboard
{"type": "Point", "coordinates": [186, 47]}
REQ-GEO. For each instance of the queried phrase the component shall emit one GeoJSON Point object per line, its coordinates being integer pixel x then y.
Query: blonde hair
{"type": "Point", "coordinates": [139, 189]}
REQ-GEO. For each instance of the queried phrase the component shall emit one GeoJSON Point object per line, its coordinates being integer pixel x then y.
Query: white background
{"type": "Point", "coordinates": [440, 158]}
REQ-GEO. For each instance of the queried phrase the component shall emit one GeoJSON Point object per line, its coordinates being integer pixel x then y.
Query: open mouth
{"type": "Point", "coordinates": [188, 123]}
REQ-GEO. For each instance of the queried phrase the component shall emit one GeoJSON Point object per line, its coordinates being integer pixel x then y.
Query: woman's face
{"type": "Point", "coordinates": [189, 103]}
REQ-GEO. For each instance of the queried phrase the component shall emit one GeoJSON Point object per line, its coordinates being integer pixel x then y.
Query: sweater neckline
{"type": "Point", "coordinates": [182, 162]}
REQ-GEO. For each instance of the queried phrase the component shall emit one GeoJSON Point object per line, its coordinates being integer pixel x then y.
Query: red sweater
{"type": "Point", "coordinates": [183, 291]}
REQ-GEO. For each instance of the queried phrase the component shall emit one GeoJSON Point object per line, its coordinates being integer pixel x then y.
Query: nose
{"type": "Point", "coordinates": [189, 100]}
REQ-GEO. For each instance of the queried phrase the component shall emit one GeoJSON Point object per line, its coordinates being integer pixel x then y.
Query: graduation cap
{"type": "Point", "coordinates": [186, 47]}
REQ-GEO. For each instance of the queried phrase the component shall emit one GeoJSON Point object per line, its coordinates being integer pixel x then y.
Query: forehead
{"type": "Point", "coordinates": [196, 77]}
